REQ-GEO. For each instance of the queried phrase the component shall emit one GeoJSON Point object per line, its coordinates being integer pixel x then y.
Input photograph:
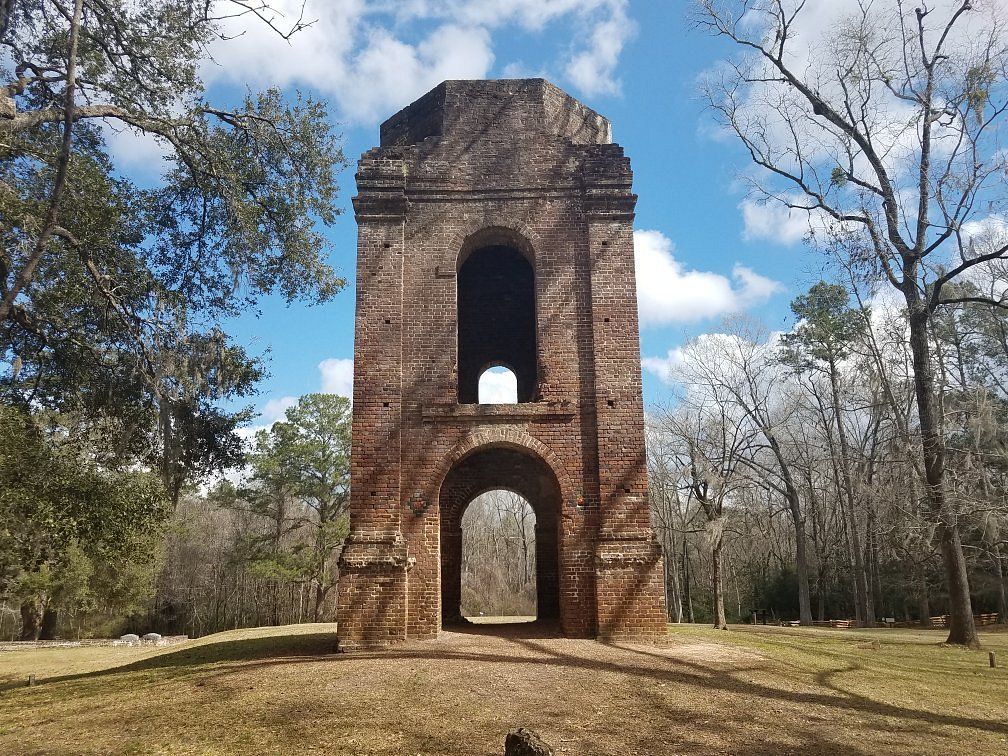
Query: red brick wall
{"type": "Point", "coordinates": [476, 164]}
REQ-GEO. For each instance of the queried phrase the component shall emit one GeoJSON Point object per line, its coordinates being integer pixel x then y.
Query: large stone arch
{"type": "Point", "coordinates": [491, 228]}
{"type": "Point", "coordinates": [502, 435]}
{"type": "Point", "coordinates": [508, 466]}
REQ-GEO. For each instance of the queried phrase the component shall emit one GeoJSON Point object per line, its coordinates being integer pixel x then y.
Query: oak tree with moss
{"type": "Point", "coordinates": [112, 293]}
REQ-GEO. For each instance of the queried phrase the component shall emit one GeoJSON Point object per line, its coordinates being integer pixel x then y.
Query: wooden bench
{"type": "Point", "coordinates": [842, 624]}
{"type": "Point", "coordinates": [978, 619]}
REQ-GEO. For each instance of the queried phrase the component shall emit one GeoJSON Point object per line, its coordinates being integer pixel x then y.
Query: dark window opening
{"type": "Point", "coordinates": [496, 320]}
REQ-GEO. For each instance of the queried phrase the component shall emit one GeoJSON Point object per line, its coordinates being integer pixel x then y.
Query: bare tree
{"type": "Point", "coordinates": [741, 369]}
{"type": "Point", "coordinates": [886, 132]}
{"type": "Point", "coordinates": [498, 555]}
{"type": "Point", "coordinates": [713, 443]}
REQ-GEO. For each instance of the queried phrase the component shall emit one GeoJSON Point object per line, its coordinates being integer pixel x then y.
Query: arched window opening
{"type": "Point", "coordinates": [498, 385]}
{"type": "Point", "coordinates": [499, 558]}
{"type": "Point", "coordinates": [496, 320]}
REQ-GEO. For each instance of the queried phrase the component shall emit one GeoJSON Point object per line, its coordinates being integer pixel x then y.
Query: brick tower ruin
{"type": "Point", "coordinates": [495, 228]}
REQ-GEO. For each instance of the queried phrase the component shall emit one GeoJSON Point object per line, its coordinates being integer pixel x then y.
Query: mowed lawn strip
{"type": "Point", "coordinates": [280, 690]}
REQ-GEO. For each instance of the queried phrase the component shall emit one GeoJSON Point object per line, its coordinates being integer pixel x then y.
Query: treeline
{"type": "Point", "coordinates": [264, 552]}
{"type": "Point", "coordinates": [787, 474]}
{"type": "Point", "coordinates": [86, 550]}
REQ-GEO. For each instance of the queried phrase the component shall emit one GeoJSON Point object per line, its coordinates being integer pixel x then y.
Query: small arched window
{"type": "Point", "coordinates": [498, 385]}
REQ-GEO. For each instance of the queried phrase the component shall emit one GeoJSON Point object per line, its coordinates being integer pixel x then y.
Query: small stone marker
{"type": "Point", "coordinates": [31, 680]}
{"type": "Point", "coordinates": [992, 659]}
{"type": "Point", "coordinates": [522, 742]}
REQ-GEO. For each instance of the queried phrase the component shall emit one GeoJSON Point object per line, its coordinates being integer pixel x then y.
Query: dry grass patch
{"type": "Point", "coordinates": [278, 690]}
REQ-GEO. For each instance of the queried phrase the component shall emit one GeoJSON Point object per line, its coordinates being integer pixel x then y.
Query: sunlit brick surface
{"type": "Point", "coordinates": [472, 167]}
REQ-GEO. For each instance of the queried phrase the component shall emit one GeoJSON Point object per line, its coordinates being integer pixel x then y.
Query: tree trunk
{"type": "Point", "coordinates": [873, 566]}
{"type": "Point", "coordinates": [962, 629]}
{"type": "Point", "coordinates": [717, 580]}
{"type": "Point", "coordinates": [687, 593]}
{"type": "Point", "coordinates": [923, 605]}
{"type": "Point", "coordinates": [801, 566]}
{"type": "Point", "coordinates": [319, 598]}
{"type": "Point", "coordinates": [31, 620]}
{"type": "Point", "coordinates": [794, 506]}
{"type": "Point", "coordinates": [50, 621]}
{"type": "Point", "coordinates": [1002, 588]}
{"type": "Point", "coordinates": [863, 592]}
{"type": "Point", "coordinates": [674, 597]}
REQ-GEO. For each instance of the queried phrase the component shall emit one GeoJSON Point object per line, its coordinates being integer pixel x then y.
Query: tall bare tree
{"type": "Point", "coordinates": [741, 369]}
{"type": "Point", "coordinates": [885, 130]}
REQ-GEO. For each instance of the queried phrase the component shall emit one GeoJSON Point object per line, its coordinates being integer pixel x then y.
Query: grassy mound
{"type": "Point", "coordinates": [278, 690]}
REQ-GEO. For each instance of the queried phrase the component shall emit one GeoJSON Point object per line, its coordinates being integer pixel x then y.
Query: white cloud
{"type": "Point", "coordinates": [337, 376]}
{"type": "Point", "coordinates": [664, 367]}
{"type": "Point", "coordinates": [990, 227]}
{"type": "Point", "coordinates": [592, 70]}
{"type": "Point", "coordinates": [773, 221]}
{"type": "Point", "coordinates": [136, 150]}
{"type": "Point", "coordinates": [388, 73]}
{"type": "Point", "coordinates": [275, 409]}
{"type": "Point", "coordinates": [372, 57]}
{"type": "Point", "coordinates": [498, 386]}
{"type": "Point", "coordinates": [669, 293]}
{"type": "Point", "coordinates": [754, 288]}
{"type": "Point", "coordinates": [248, 433]}
{"type": "Point", "coordinates": [271, 412]}
{"type": "Point", "coordinates": [363, 66]}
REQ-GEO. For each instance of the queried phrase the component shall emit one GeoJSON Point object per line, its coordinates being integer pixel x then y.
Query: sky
{"type": "Point", "coordinates": [702, 249]}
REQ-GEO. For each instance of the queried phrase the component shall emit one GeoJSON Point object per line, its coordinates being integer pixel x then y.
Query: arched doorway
{"type": "Point", "coordinates": [506, 468]}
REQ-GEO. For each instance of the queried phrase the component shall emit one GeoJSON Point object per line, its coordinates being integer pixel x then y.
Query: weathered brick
{"type": "Point", "coordinates": [474, 184]}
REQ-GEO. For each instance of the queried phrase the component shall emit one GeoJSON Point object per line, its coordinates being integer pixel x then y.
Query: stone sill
{"type": "Point", "coordinates": [526, 412]}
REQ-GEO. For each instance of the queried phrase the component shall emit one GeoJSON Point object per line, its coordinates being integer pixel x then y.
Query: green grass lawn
{"type": "Point", "coordinates": [283, 690]}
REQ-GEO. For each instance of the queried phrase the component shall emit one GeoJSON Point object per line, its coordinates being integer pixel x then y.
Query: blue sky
{"type": "Point", "coordinates": [703, 253]}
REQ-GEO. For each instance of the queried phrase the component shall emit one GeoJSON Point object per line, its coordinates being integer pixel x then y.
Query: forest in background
{"type": "Point", "coordinates": [852, 466]}
{"type": "Point", "coordinates": [499, 556]}
{"type": "Point", "coordinates": [770, 438]}
{"type": "Point", "coordinates": [788, 465]}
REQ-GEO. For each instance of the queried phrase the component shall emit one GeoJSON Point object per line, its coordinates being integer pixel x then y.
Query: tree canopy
{"type": "Point", "coordinates": [112, 291]}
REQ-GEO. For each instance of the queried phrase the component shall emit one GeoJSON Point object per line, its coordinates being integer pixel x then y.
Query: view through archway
{"type": "Point", "coordinates": [499, 557]}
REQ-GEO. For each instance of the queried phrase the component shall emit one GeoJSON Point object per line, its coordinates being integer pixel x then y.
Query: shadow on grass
{"type": "Point", "coordinates": [534, 644]}
{"type": "Point", "coordinates": [199, 655]}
